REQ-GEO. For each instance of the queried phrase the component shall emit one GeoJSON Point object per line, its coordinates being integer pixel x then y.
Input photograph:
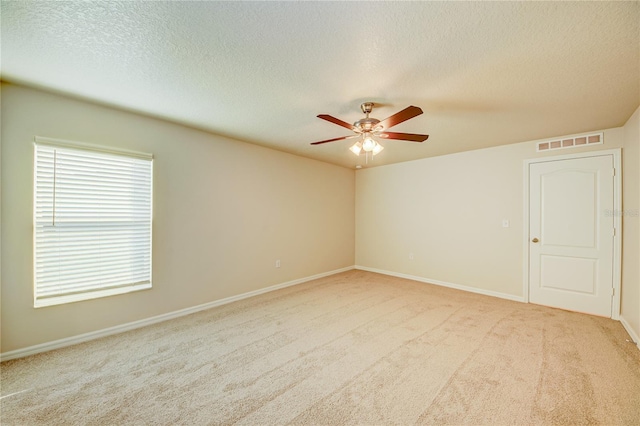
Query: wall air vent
{"type": "Point", "coordinates": [570, 142]}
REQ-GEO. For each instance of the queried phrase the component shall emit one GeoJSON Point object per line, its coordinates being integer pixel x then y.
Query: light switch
{"type": "Point", "coordinates": [505, 223]}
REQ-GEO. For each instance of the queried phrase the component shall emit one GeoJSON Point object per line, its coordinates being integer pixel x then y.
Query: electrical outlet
{"type": "Point", "coordinates": [411, 256]}
{"type": "Point", "coordinates": [505, 223]}
{"type": "Point", "coordinates": [278, 263]}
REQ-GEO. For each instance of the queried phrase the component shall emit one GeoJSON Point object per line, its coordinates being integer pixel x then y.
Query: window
{"type": "Point", "coordinates": [92, 222]}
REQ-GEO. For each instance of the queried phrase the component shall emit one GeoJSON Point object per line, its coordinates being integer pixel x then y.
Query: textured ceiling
{"type": "Point", "coordinates": [485, 73]}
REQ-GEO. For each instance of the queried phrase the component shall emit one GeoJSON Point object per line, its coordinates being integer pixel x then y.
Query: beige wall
{"type": "Point", "coordinates": [224, 211]}
{"type": "Point", "coordinates": [448, 212]}
{"type": "Point", "coordinates": [630, 306]}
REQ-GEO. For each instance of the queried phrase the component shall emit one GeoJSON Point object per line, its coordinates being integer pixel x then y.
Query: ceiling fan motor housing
{"type": "Point", "coordinates": [366, 124]}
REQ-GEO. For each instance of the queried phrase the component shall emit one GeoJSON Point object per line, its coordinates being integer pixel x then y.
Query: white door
{"type": "Point", "coordinates": [571, 232]}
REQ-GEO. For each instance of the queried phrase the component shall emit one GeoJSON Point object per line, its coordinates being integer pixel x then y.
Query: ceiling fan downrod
{"type": "Point", "coordinates": [366, 124]}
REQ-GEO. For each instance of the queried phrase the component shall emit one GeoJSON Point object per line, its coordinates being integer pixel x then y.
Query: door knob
{"type": "Point", "coordinates": [535, 240]}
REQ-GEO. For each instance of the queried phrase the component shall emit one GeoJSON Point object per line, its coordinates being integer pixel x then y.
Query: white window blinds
{"type": "Point", "coordinates": [92, 223]}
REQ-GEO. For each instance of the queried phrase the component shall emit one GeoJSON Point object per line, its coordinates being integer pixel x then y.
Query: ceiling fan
{"type": "Point", "coordinates": [368, 127]}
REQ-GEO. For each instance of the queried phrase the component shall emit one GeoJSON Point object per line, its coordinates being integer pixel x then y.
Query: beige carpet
{"type": "Point", "coordinates": [353, 348]}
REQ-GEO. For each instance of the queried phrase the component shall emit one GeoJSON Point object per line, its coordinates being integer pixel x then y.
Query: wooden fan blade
{"type": "Point", "coordinates": [404, 115]}
{"type": "Point", "coordinates": [335, 139]}
{"type": "Point", "coordinates": [337, 121]}
{"type": "Point", "coordinates": [411, 137]}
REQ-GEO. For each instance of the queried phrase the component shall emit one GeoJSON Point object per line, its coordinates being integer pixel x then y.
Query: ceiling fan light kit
{"type": "Point", "coordinates": [368, 127]}
{"type": "Point", "coordinates": [356, 148]}
{"type": "Point", "coordinates": [368, 143]}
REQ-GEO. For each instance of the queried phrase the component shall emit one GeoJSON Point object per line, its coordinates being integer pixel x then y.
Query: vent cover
{"type": "Point", "coordinates": [571, 142]}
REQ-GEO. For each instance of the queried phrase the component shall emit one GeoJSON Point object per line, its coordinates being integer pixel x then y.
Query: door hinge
{"type": "Point", "coordinates": [613, 291]}
{"type": "Point", "coordinates": [613, 172]}
{"type": "Point", "coordinates": [614, 232]}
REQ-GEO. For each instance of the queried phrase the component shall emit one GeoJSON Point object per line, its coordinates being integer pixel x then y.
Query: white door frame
{"type": "Point", "coordinates": [617, 222]}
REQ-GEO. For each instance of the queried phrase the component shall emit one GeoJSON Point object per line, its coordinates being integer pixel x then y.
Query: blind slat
{"type": "Point", "coordinates": [53, 292]}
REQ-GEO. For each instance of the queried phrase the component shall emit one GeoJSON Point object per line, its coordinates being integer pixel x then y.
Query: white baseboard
{"type": "Point", "coordinates": [445, 284]}
{"type": "Point", "coordinates": [632, 333]}
{"type": "Point", "coordinates": [73, 340]}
